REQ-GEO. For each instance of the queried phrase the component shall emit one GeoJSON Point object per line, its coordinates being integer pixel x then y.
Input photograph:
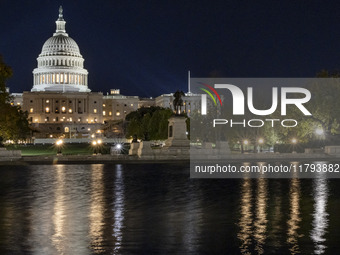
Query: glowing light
{"type": "Point", "coordinates": [94, 143]}
{"type": "Point", "coordinates": [294, 141]}
{"type": "Point", "coordinates": [59, 142]}
{"type": "Point", "coordinates": [245, 142]}
{"type": "Point", "coordinates": [119, 146]}
{"type": "Point", "coordinates": [92, 135]}
{"type": "Point", "coordinates": [70, 110]}
{"type": "Point", "coordinates": [261, 141]}
{"type": "Point", "coordinates": [63, 108]}
{"type": "Point", "coordinates": [47, 109]}
{"type": "Point", "coordinates": [319, 131]}
{"type": "Point", "coordinates": [99, 141]}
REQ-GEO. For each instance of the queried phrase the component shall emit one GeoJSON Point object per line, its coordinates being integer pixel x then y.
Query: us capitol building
{"type": "Point", "coordinates": [61, 103]}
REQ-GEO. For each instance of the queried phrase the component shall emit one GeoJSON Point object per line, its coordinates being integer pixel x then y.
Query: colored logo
{"type": "Point", "coordinates": [209, 93]}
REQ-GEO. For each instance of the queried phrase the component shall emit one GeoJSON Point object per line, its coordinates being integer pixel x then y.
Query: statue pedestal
{"type": "Point", "coordinates": [134, 149]}
{"type": "Point", "coordinates": [145, 151]}
{"type": "Point", "coordinates": [177, 136]}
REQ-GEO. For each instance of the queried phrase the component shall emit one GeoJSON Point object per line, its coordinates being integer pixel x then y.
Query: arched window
{"type": "Point", "coordinates": [67, 129]}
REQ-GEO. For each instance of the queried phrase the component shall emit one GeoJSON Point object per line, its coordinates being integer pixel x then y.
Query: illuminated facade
{"type": "Point", "coordinates": [60, 102]}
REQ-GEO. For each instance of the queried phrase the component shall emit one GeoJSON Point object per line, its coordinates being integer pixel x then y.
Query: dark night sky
{"type": "Point", "coordinates": [145, 48]}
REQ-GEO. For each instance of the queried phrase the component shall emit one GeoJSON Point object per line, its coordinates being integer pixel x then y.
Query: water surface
{"type": "Point", "coordinates": [158, 209]}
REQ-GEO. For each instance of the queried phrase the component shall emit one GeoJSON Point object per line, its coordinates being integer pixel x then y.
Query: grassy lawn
{"type": "Point", "coordinates": [50, 149]}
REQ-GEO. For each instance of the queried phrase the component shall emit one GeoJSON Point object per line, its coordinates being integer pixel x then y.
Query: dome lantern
{"type": "Point", "coordinates": [60, 23]}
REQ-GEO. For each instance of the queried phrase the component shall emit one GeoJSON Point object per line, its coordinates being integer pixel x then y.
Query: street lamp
{"type": "Point", "coordinates": [319, 131]}
{"type": "Point", "coordinates": [94, 144]}
{"type": "Point", "coordinates": [99, 143]}
{"type": "Point", "coordinates": [294, 142]}
{"type": "Point", "coordinates": [59, 143]}
{"type": "Point", "coordinates": [260, 142]}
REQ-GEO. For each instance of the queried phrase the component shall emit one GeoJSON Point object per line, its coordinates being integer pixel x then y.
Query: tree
{"type": "Point", "coordinates": [325, 107]}
{"type": "Point", "coordinates": [13, 121]}
{"type": "Point", "coordinates": [148, 123]}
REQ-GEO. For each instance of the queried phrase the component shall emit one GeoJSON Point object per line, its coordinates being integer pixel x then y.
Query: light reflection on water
{"type": "Point", "coordinates": [96, 217]}
{"type": "Point", "coordinates": [294, 217]}
{"type": "Point", "coordinates": [118, 208]}
{"type": "Point", "coordinates": [245, 223]}
{"type": "Point", "coordinates": [320, 215]}
{"type": "Point", "coordinates": [157, 209]}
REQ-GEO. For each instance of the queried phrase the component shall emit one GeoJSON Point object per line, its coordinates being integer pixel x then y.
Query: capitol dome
{"type": "Point", "coordinates": [60, 64]}
{"type": "Point", "coordinates": [60, 45]}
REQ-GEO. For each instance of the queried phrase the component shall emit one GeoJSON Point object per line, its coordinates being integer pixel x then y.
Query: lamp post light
{"type": "Point", "coordinates": [260, 142]}
{"type": "Point", "coordinates": [99, 143]}
{"type": "Point", "coordinates": [294, 142]}
{"type": "Point", "coordinates": [319, 131]}
{"type": "Point", "coordinates": [244, 144]}
{"type": "Point", "coordinates": [59, 143]}
{"type": "Point", "coordinates": [94, 144]}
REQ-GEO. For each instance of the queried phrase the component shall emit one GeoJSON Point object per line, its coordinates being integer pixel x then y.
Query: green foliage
{"type": "Point", "coordinates": [149, 123]}
{"type": "Point", "coordinates": [13, 121]}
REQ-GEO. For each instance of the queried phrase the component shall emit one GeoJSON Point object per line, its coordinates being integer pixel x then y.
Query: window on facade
{"type": "Point", "coordinates": [95, 110]}
{"type": "Point", "coordinates": [104, 105]}
{"type": "Point", "coordinates": [67, 129]}
{"type": "Point", "coordinates": [70, 110]}
{"type": "Point", "coordinates": [31, 110]}
{"type": "Point", "coordinates": [110, 113]}
{"type": "Point", "coordinates": [47, 101]}
{"type": "Point", "coordinates": [104, 113]}
{"type": "Point", "coordinates": [131, 105]}
{"type": "Point", "coordinates": [56, 110]}
{"type": "Point", "coordinates": [117, 113]}
{"type": "Point", "coordinates": [31, 101]}
{"type": "Point", "coordinates": [95, 102]}
{"type": "Point", "coordinates": [63, 109]}
{"type": "Point", "coordinates": [47, 110]}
